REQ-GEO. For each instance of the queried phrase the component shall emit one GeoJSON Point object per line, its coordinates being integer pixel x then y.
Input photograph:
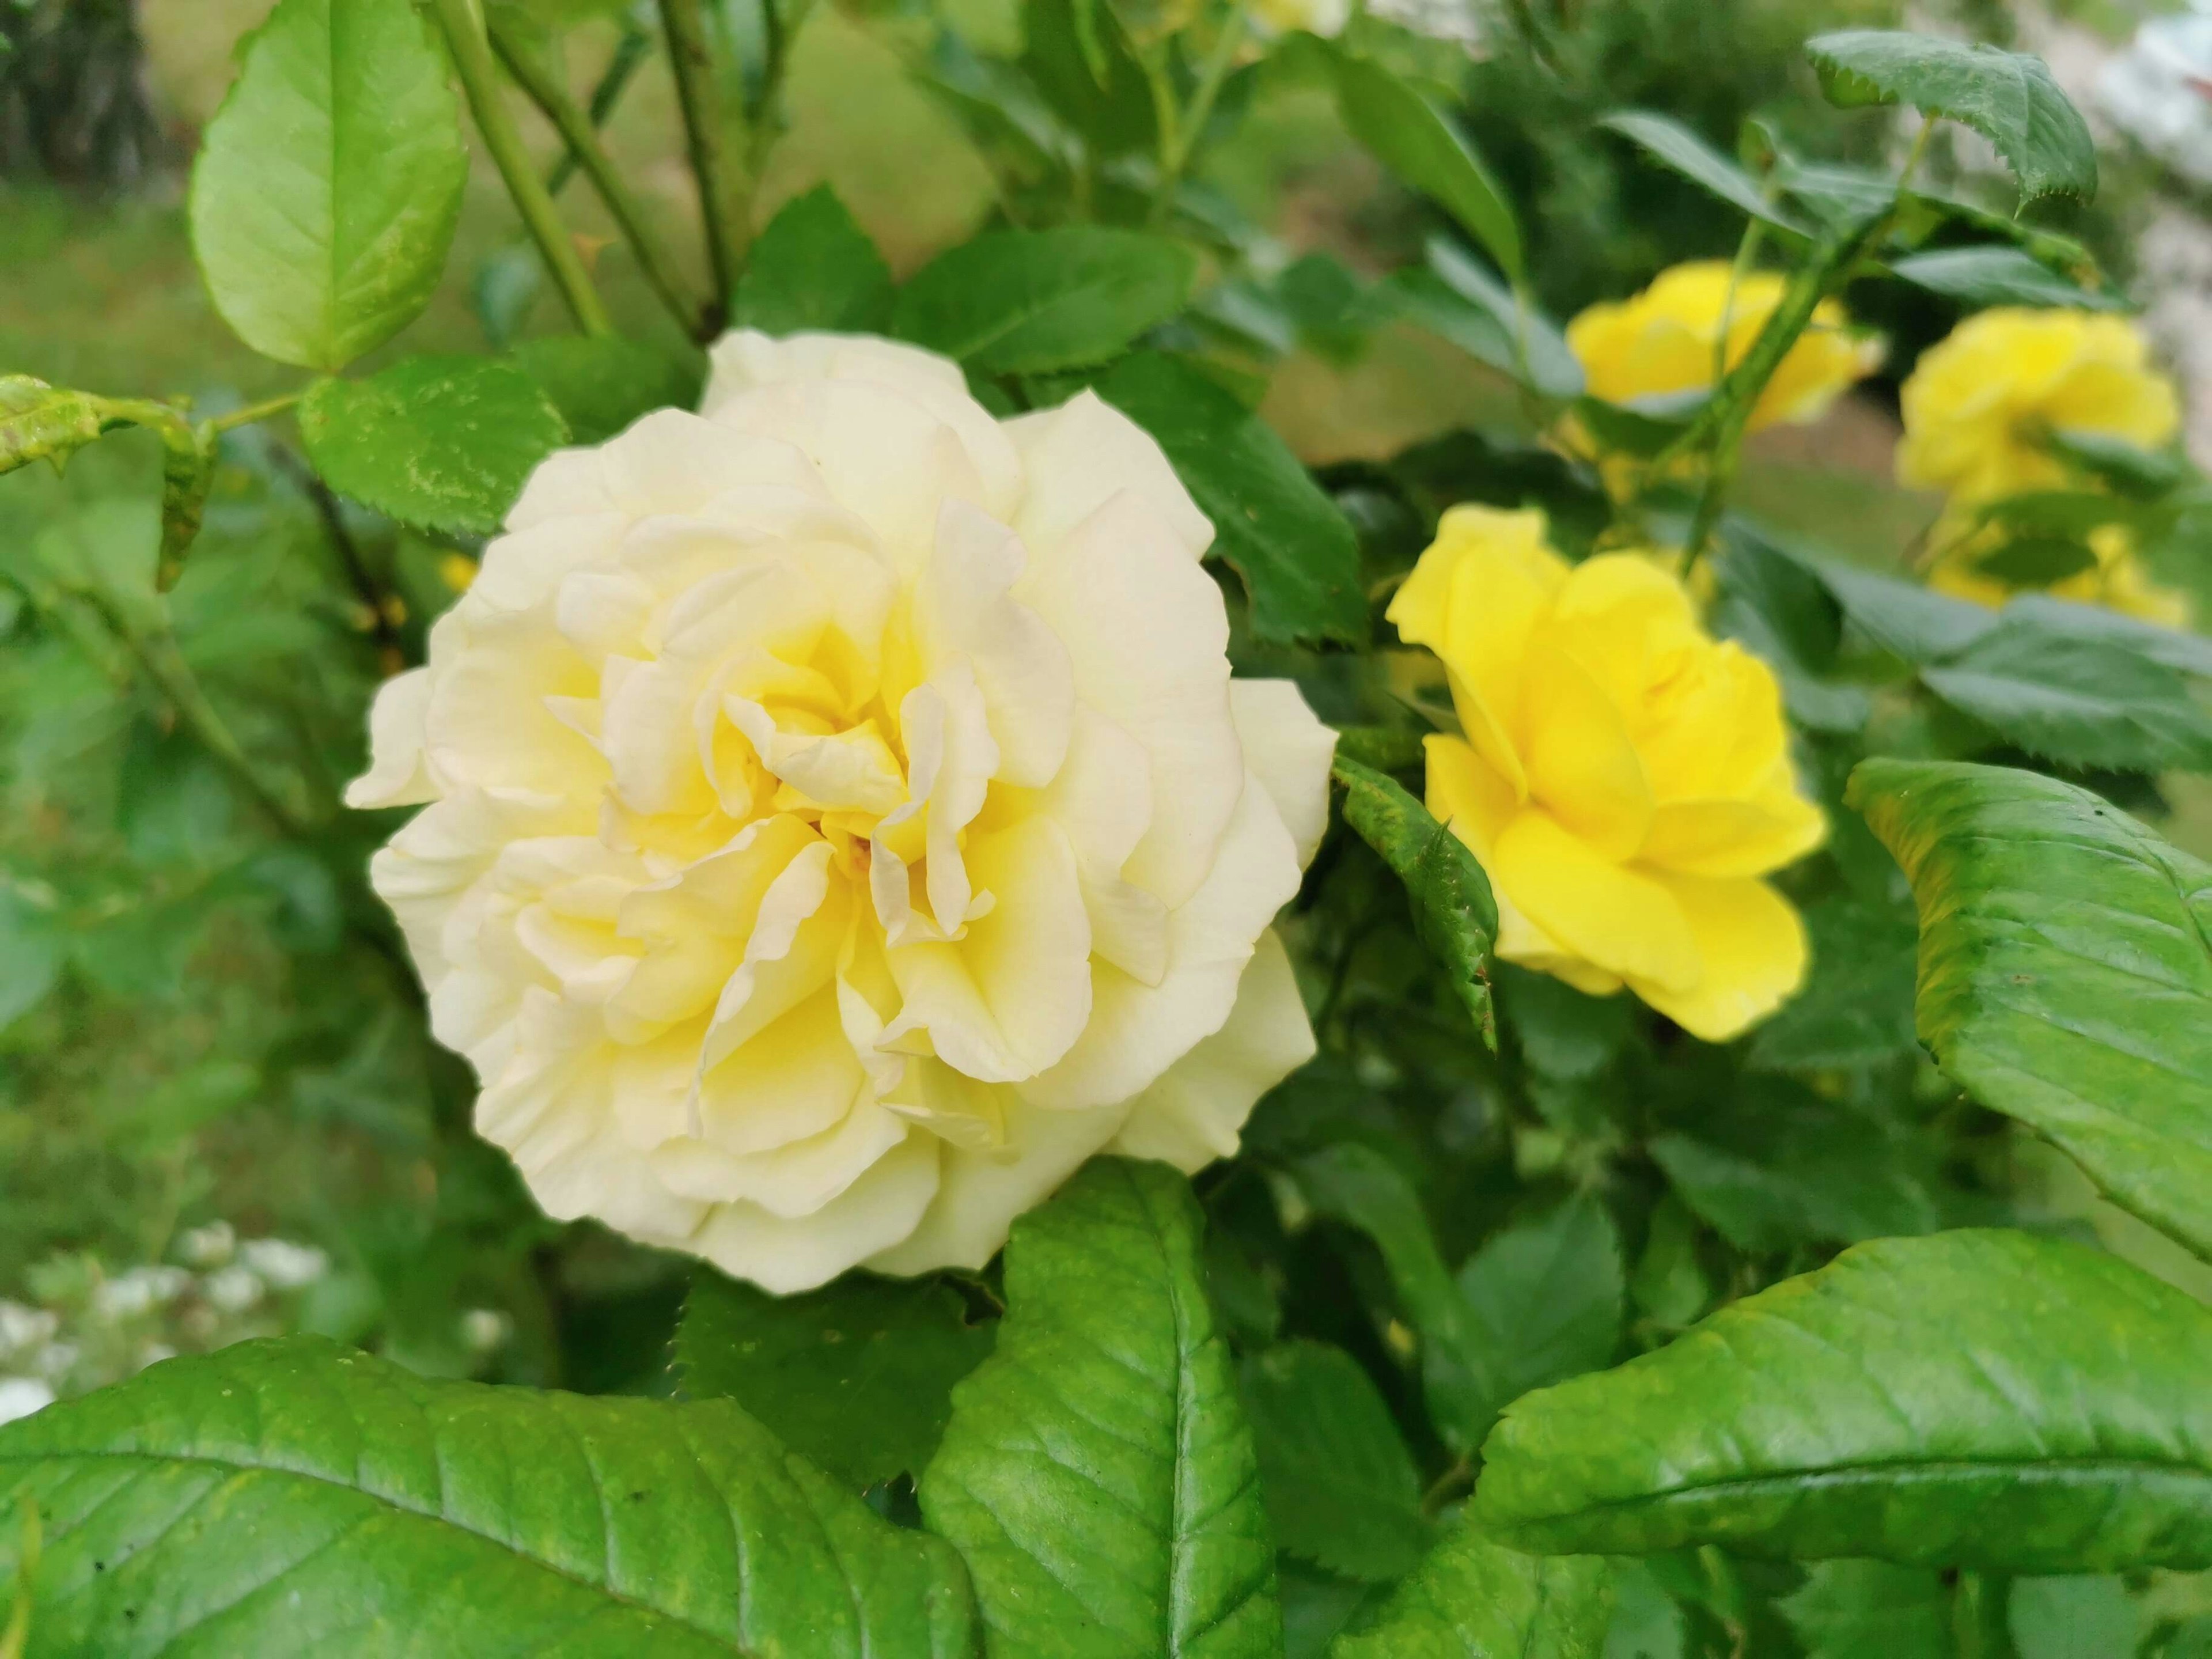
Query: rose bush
{"type": "Point", "coordinates": [842, 821]}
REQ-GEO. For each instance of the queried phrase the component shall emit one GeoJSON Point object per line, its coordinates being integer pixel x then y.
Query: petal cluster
{"type": "Point", "coordinates": [840, 820]}
{"type": "Point", "coordinates": [1624, 778]}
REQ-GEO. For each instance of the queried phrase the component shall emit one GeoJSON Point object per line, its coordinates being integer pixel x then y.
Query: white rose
{"type": "Point", "coordinates": [842, 820]}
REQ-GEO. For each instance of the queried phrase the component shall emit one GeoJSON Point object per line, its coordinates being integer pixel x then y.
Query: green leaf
{"type": "Point", "coordinates": [600, 383]}
{"type": "Point", "coordinates": [1997, 277]}
{"type": "Point", "coordinates": [2065, 977]}
{"type": "Point", "coordinates": [1456, 297]}
{"type": "Point", "coordinates": [857, 1375]}
{"type": "Point", "coordinates": [1471, 1600]}
{"type": "Point", "coordinates": [1982, 1399]}
{"type": "Point", "coordinates": [329, 183]}
{"type": "Point", "coordinates": [34, 944]}
{"type": "Point", "coordinates": [1453, 909]}
{"type": "Point", "coordinates": [813, 267]}
{"type": "Point", "coordinates": [1342, 1487]}
{"type": "Point", "coordinates": [2131, 470]}
{"type": "Point", "coordinates": [1669, 142]}
{"type": "Point", "coordinates": [1870, 1610]}
{"type": "Point", "coordinates": [1418, 142]}
{"type": "Point", "coordinates": [1291, 545]}
{"type": "Point", "coordinates": [2036, 561]}
{"type": "Point", "coordinates": [1903, 618]}
{"type": "Point", "coordinates": [2087, 1617]}
{"type": "Point", "coordinates": [1647, 1623]}
{"type": "Point", "coordinates": [2187, 652]}
{"type": "Point", "coordinates": [1856, 1006]}
{"type": "Point", "coordinates": [1097, 1473]}
{"type": "Point", "coordinates": [2007, 97]}
{"type": "Point", "coordinates": [40, 423]}
{"type": "Point", "coordinates": [1032, 301]}
{"type": "Point", "coordinates": [440, 443]}
{"type": "Point", "coordinates": [292, 1497]}
{"type": "Point", "coordinates": [2077, 702]}
{"type": "Point", "coordinates": [188, 458]}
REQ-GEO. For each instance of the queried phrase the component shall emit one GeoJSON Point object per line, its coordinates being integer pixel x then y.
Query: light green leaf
{"type": "Point", "coordinates": [2078, 701]}
{"type": "Point", "coordinates": [2088, 1617]}
{"type": "Point", "coordinates": [329, 183]}
{"type": "Point", "coordinates": [857, 1375]}
{"type": "Point", "coordinates": [1646, 1622]}
{"type": "Point", "coordinates": [1418, 141]}
{"type": "Point", "coordinates": [1870, 1610]}
{"type": "Point", "coordinates": [601, 383]}
{"type": "Point", "coordinates": [1453, 909]}
{"type": "Point", "coordinates": [1978, 1398]}
{"type": "Point", "coordinates": [1097, 1473]}
{"type": "Point", "coordinates": [2007, 97]}
{"type": "Point", "coordinates": [1342, 1487]}
{"type": "Point", "coordinates": [440, 443]}
{"type": "Point", "coordinates": [1997, 277]}
{"type": "Point", "coordinates": [1671, 142]}
{"type": "Point", "coordinates": [1035, 301]}
{"type": "Point", "coordinates": [2065, 977]}
{"type": "Point", "coordinates": [292, 1497]}
{"type": "Point", "coordinates": [1489, 321]}
{"type": "Point", "coordinates": [813, 267]}
{"type": "Point", "coordinates": [1294, 549]}
{"type": "Point", "coordinates": [40, 423]}
{"type": "Point", "coordinates": [34, 944]}
{"type": "Point", "coordinates": [1471, 1600]}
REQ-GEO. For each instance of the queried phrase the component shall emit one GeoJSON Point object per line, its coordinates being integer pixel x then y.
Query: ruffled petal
{"type": "Point", "coordinates": [1289, 750]}
{"type": "Point", "coordinates": [1079, 456]}
{"type": "Point", "coordinates": [1622, 920]}
{"type": "Point", "coordinates": [1751, 950]}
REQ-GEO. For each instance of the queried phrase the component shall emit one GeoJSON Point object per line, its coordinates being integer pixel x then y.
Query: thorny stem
{"type": "Point", "coordinates": [391, 655]}
{"type": "Point", "coordinates": [700, 101]}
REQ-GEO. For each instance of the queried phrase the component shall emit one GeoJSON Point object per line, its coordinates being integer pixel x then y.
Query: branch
{"type": "Point", "coordinates": [701, 98]}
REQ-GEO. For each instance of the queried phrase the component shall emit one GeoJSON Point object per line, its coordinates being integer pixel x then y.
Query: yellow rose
{"type": "Point", "coordinates": [1624, 778]}
{"type": "Point", "coordinates": [1977, 401]}
{"type": "Point", "coordinates": [2116, 580]}
{"type": "Point", "coordinates": [1686, 329]}
{"type": "Point", "coordinates": [842, 822]}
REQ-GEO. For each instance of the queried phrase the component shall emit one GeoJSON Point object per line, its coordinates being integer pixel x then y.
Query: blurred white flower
{"type": "Point", "coordinates": [55, 1360]}
{"type": "Point", "coordinates": [282, 1265]}
{"type": "Point", "coordinates": [22, 1328]}
{"type": "Point", "coordinates": [154, 1353]}
{"type": "Point", "coordinates": [233, 1288]}
{"type": "Point", "coordinates": [484, 1329]}
{"type": "Point", "coordinates": [208, 1247]}
{"type": "Point", "coordinates": [134, 1294]}
{"type": "Point", "coordinates": [1440, 20]}
{"type": "Point", "coordinates": [22, 1395]}
{"type": "Point", "coordinates": [1322, 17]}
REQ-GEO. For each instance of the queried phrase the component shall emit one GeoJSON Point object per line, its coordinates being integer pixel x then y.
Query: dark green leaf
{"type": "Point", "coordinates": [1643, 428]}
{"type": "Point", "coordinates": [1453, 910]}
{"type": "Point", "coordinates": [1783, 613]}
{"type": "Point", "coordinates": [1455, 297]}
{"type": "Point", "coordinates": [440, 443]}
{"type": "Point", "coordinates": [2069, 513]}
{"type": "Point", "coordinates": [293, 1497]}
{"type": "Point", "coordinates": [601, 383]}
{"type": "Point", "coordinates": [1471, 1600]}
{"type": "Point", "coordinates": [1979, 1398]}
{"type": "Point", "coordinates": [2130, 470]}
{"type": "Point", "coordinates": [1032, 301]}
{"type": "Point", "coordinates": [328, 184]}
{"type": "Point", "coordinates": [1418, 142]}
{"type": "Point", "coordinates": [2187, 652]}
{"type": "Point", "coordinates": [813, 267]}
{"type": "Point", "coordinates": [1997, 277]}
{"type": "Point", "coordinates": [2087, 1617]}
{"type": "Point", "coordinates": [2007, 97]}
{"type": "Point", "coordinates": [1671, 142]}
{"type": "Point", "coordinates": [1856, 1006]}
{"type": "Point", "coordinates": [857, 1375]}
{"type": "Point", "coordinates": [1870, 1610]}
{"type": "Point", "coordinates": [1289, 543]}
{"type": "Point", "coordinates": [2036, 561]}
{"type": "Point", "coordinates": [1342, 1487]}
{"type": "Point", "coordinates": [1097, 1473]}
{"type": "Point", "coordinates": [1563, 1033]}
{"type": "Point", "coordinates": [1902, 618]}
{"type": "Point", "coordinates": [2066, 978]}
{"type": "Point", "coordinates": [2078, 701]}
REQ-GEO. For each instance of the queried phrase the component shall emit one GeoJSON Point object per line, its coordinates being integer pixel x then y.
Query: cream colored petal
{"type": "Point", "coordinates": [1195, 1111]}
{"type": "Point", "coordinates": [1752, 953]}
{"type": "Point", "coordinates": [964, 608]}
{"type": "Point", "coordinates": [877, 1211]}
{"type": "Point", "coordinates": [792, 953]}
{"type": "Point", "coordinates": [1289, 750]}
{"type": "Point", "coordinates": [486, 724]}
{"type": "Point", "coordinates": [1079, 456]}
{"type": "Point", "coordinates": [397, 775]}
{"type": "Point", "coordinates": [1102, 793]}
{"type": "Point", "coordinates": [789, 1182]}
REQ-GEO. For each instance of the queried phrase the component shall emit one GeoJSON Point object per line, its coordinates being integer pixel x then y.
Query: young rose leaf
{"type": "Point", "coordinates": [1674, 145]}
{"type": "Point", "coordinates": [1870, 1610]}
{"type": "Point", "coordinates": [813, 267]}
{"type": "Point", "coordinates": [1342, 1487]}
{"type": "Point", "coordinates": [2007, 97]}
{"type": "Point", "coordinates": [1472, 1599]}
{"type": "Point", "coordinates": [1418, 141]}
{"type": "Point", "coordinates": [2077, 702]}
{"type": "Point", "coordinates": [601, 383]}
{"type": "Point", "coordinates": [440, 443]}
{"type": "Point", "coordinates": [857, 1375]}
{"type": "Point", "coordinates": [2080, 1616]}
{"type": "Point", "coordinates": [2065, 977]}
{"type": "Point", "coordinates": [1097, 1473]}
{"type": "Point", "coordinates": [329, 183]}
{"type": "Point", "coordinates": [1997, 277]}
{"type": "Point", "coordinates": [1453, 909]}
{"type": "Point", "coordinates": [293, 1497]}
{"type": "Point", "coordinates": [40, 423]}
{"type": "Point", "coordinates": [1034, 301]}
{"type": "Point", "coordinates": [1291, 544]}
{"type": "Point", "coordinates": [1982, 1399]}
{"type": "Point", "coordinates": [2188, 652]}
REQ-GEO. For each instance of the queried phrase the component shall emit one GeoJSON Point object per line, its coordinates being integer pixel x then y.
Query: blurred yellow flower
{"type": "Point", "coordinates": [2117, 580]}
{"type": "Point", "coordinates": [1977, 403]}
{"type": "Point", "coordinates": [1624, 778]}
{"type": "Point", "coordinates": [1696, 322]}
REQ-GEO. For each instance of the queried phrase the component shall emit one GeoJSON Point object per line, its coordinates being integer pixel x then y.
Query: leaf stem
{"type": "Point", "coordinates": [472, 59]}
{"type": "Point", "coordinates": [700, 101]}
{"type": "Point", "coordinates": [253, 412]}
{"type": "Point", "coordinates": [1179, 135]}
{"type": "Point", "coordinates": [544, 89]}
{"type": "Point", "coordinates": [630, 53]}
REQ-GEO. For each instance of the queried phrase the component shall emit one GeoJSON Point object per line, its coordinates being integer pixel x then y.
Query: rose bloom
{"type": "Point", "coordinates": [1978, 401]}
{"type": "Point", "coordinates": [842, 822]}
{"type": "Point", "coordinates": [1686, 329]}
{"type": "Point", "coordinates": [1624, 778]}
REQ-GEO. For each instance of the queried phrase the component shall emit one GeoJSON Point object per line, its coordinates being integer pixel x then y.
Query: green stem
{"type": "Point", "coordinates": [700, 101]}
{"type": "Point", "coordinates": [545, 90]}
{"type": "Point", "coordinates": [1179, 137]}
{"type": "Point", "coordinates": [630, 53]}
{"type": "Point", "coordinates": [253, 412]}
{"type": "Point", "coordinates": [472, 59]}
